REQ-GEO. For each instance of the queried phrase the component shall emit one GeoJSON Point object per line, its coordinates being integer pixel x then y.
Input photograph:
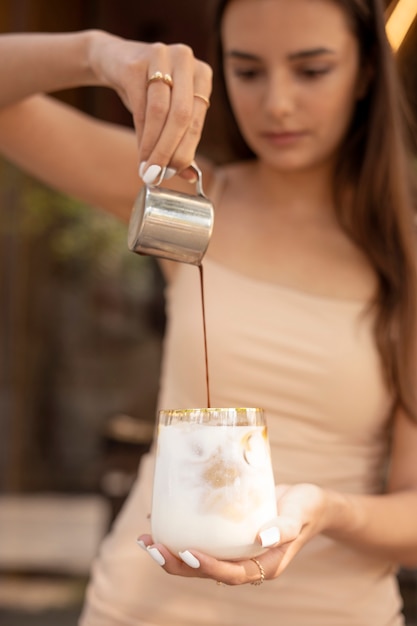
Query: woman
{"type": "Point", "coordinates": [310, 304]}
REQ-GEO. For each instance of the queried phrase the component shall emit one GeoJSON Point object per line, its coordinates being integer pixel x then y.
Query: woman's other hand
{"type": "Point", "coordinates": [301, 516]}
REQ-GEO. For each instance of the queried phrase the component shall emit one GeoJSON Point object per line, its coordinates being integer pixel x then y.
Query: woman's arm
{"type": "Point", "coordinates": [91, 160]}
{"type": "Point", "coordinates": [385, 524]}
{"type": "Point", "coordinates": [35, 62]}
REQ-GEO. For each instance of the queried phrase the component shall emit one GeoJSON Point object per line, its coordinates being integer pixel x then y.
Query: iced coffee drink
{"type": "Point", "coordinates": [213, 485]}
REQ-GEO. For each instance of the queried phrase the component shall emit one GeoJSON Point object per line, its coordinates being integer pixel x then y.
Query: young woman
{"type": "Point", "coordinates": [310, 299]}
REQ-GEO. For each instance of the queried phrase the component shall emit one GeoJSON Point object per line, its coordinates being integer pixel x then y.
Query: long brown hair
{"type": "Point", "coordinates": [379, 213]}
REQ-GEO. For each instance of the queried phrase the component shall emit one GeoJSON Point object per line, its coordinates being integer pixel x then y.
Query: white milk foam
{"type": "Point", "coordinates": [213, 489]}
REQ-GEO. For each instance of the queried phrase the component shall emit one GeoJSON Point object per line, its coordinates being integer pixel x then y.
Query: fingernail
{"type": "Point", "coordinates": [169, 173]}
{"type": "Point", "coordinates": [270, 536]}
{"type": "Point", "coordinates": [189, 559]}
{"type": "Point", "coordinates": [142, 167]}
{"type": "Point", "coordinates": [156, 555]}
{"type": "Point", "coordinates": [141, 544]}
{"type": "Point", "coordinates": [151, 174]}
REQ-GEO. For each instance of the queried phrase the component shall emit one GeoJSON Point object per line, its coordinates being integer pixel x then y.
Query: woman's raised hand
{"type": "Point", "coordinates": [166, 89]}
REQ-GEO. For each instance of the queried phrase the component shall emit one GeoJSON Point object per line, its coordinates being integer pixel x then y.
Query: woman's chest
{"type": "Point", "coordinates": [307, 358]}
{"type": "Point", "coordinates": [302, 254]}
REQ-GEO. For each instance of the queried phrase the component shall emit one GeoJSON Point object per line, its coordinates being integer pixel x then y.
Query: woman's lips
{"type": "Point", "coordinates": [283, 138]}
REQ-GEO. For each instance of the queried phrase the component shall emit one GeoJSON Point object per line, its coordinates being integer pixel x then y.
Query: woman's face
{"type": "Point", "coordinates": [292, 74]}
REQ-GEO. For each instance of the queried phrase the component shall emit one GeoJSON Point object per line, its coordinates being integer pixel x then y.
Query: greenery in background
{"type": "Point", "coordinates": [80, 239]}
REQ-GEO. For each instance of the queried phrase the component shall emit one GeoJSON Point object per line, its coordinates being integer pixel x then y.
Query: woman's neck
{"type": "Point", "coordinates": [299, 195]}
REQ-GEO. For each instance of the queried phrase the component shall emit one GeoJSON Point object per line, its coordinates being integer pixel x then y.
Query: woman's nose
{"type": "Point", "coordinates": [280, 95]}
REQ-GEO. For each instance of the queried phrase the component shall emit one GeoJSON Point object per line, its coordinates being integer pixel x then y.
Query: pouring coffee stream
{"type": "Point", "coordinates": [174, 226]}
{"type": "Point", "coordinates": [203, 306]}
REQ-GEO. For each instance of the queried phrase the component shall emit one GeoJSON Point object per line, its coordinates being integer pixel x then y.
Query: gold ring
{"type": "Point", "coordinates": [203, 98]}
{"type": "Point", "coordinates": [218, 582]}
{"type": "Point", "coordinates": [160, 77]}
{"type": "Point", "coordinates": [261, 573]}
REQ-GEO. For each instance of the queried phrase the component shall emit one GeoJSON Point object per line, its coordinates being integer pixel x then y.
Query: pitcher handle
{"type": "Point", "coordinates": [199, 181]}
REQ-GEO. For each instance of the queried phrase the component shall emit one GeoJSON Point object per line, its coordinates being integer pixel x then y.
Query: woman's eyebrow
{"type": "Point", "coordinates": [244, 56]}
{"type": "Point", "coordinates": [299, 54]}
{"type": "Point", "coordinates": [312, 52]}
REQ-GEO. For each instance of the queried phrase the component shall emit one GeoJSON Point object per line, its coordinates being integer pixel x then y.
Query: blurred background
{"type": "Point", "coordinates": [81, 322]}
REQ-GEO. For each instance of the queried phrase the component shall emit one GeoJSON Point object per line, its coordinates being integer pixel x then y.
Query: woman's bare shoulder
{"type": "Point", "coordinates": [213, 174]}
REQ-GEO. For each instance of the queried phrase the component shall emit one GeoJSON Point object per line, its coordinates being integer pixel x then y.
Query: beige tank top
{"type": "Point", "coordinates": [312, 365]}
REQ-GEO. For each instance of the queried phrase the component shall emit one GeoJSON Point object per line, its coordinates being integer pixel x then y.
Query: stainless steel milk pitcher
{"type": "Point", "coordinates": [171, 225]}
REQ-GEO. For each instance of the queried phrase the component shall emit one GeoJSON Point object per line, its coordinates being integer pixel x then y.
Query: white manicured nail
{"type": "Point", "coordinates": [142, 167]}
{"type": "Point", "coordinates": [151, 174]}
{"type": "Point", "coordinates": [141, 544]}
{"type": "Point", "coordinates": [169, 173]}
{"type": "Point", "coordinates": [189, 559]}
{"type": "Point", "coordinates": [270, 536]}
{"type": "Point", "coordinates": [156, 555]}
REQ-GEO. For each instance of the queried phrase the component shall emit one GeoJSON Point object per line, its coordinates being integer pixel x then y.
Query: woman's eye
{"type": "Point", "coordinates": [247, 74]}
{"type": "Point", "coordinates": [313, 72]}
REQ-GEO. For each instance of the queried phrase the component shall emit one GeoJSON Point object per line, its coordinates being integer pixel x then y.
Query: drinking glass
{"type": "Point", "coordinates": [213, 484]}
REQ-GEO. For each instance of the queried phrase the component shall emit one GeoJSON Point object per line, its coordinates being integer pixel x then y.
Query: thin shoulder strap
{"type": "Point", "coordinates": [217, 185]}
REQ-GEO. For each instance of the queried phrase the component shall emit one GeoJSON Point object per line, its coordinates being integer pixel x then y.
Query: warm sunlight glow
{"type": "Point", "coordinates": [400, 21]}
